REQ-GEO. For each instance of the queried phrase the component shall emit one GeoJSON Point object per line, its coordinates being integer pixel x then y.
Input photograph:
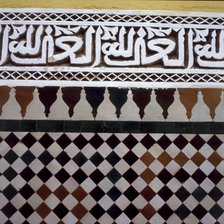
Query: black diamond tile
{"type": "Point", "coordinates": [9, 192]}
{"type": "Point", "coordinates": [197, 142]}
{"type": "Point", "coordinates": [96, 176]}
{"type": "Point", "coordinates": [199, 212]}
{"type": "Point", "coordinates": [63, 141]}
{"type": "Point", "coordinates": [182, 194]}
{"type": "Point", "coordinates": [96, 159]}
{"type": "Point", "coordinates": [165, 176]}
{"type": "Point", "coordinates": [45, 157]}
{"type": "Point", "coordinates": [46, 141]}
{"type": "Point", "coordinates": [97, 193]}
{"type": "Point", "coordinates": [80, 159]}
{"type": "Point", "coordinates": [182, 175]}
{"type": "Point", "coordinates": [164, 142]}
{"type": "Point", "coordinates": [62, 175]}
{"type": "Point", "coordinates": [9, 210]}
{"type": "Point", "coordinates": [114, 193]}
{"type": "Point", "coordinates": [131, 211]}
{"type": "Point", "coordinates": [63, 158]}
{"type": "Point", "coordinates": [198, 176]}
{"type": "Point", "coordinates": [131, 193]}
{"type": "Point", "coordinates": [130, 175]}
{"type": "Point", "coordinates": [9, 174]}
{"type": "Point", "coordinates": [214, 142]}
{"type": "Point", "coordinates": [113, 176]}
{"type": "Point", "coordinates": [148, 141]}
{"type": "Point", "coordinates": [80, 141]}
{"type": "Point", "coordinates": [215, 176]}
{"type": "Point", "coordinates": [182, 212]}
{"type": "Point", "coordinates": [26, 191]}
{"type": "Point", "coordinates": [28, 140]}
{"type": "Point", "coordinates": [199, 194]}
{"type": "Point", "coordinates": [10, 157]}
{"type": "Point", "coordinates": [130, 158]}
{"type": "Point", "coordinates": [130, 141]}
{"type": "Point", "coordinates": [114, 211]}
{"type": "Point", "coordinates": [61, 211]}
{"type": "Point", "coordinates": [216, 211]}
{"type": "Point", "coordinates": [97, 211]}
{"type": "Point", "coordinates": [44, 174]}
{"type": "Point", "coordinates": [27, 174]}
{"type": "Point", "coordinates": [96, 141]}
{"type": "Point", "coordinates": [28, 157]}
{"type": "Point", "coordinates": [215, 194]}
{"type": "Point", "coordinates": [113, 158]}
{"type": "Point", "coordinates": [165, 212]}
{"type": "Point", "coordinates": [11, 140]}
{"type": "Point", "coordinates": [113, 141]}
{"type": "Point", "coordinates": [26, 210]}
{"type": "Point", "coordinates": [79, 176]}
{"type": "Point", "coordinates": [180, 141]}
{"type": "Point", "coordinates": [165, 193]}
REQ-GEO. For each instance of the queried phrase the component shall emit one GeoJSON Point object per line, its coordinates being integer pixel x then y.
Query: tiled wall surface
{"type": "Point", "coordinates": [111, 178]}
{"type": "Point", "coordinates": [106, 155]}
{"type": "Point", "coordinates": [89, 103]}
{"type": "Point", "coordinates": [111, 155]}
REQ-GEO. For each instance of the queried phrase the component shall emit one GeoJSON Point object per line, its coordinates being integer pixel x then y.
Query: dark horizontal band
{"type": "Point", "coordinates": [111, 126]}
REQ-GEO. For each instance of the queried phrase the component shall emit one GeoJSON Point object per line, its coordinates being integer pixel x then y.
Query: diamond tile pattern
{"type": "Point", "coordinates": [111, 178]}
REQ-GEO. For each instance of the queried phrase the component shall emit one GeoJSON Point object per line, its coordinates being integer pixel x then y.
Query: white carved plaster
{"type": "Point", "coordinates": [111, 48]}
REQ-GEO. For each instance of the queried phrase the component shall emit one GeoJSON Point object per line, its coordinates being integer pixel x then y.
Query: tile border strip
{"type": "Point", "coordinates": [111, 126]}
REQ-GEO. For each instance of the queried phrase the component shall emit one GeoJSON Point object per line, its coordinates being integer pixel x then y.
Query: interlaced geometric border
{"type": "Point", "coordinates": [110, 76]}
{"type": "Point", "coordinates": [106, 16]}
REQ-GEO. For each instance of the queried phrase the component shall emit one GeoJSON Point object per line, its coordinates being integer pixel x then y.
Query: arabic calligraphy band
{"type": "Point", "coordinates": [111, 46]}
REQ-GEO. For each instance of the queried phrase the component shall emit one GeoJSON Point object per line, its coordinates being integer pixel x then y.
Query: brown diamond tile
{"type": "Point", "coordinates": [164, 158]}
{"type": "Point", "coordinates": [147, 158]}
{"type": "Point", "coordinates": [198, 158]}
{"type": "Point", "coordinates": [181, 159]}
{"type": "Point", "coordinates": [61, 193]}
{"type": "Point", "coordinates": [44, 192]}
{"type": "Point", "coordinates": [148, 211]}
{"type": "Point", "coordinates": [79, 194]}
{"type": "Point", "coordinates": [79, 211]}
{"type": "Point", "coordinates": [148, 193]}
{"type": "Point", "coordinates": [147, 176]}
{"type": "Point", "coordinates": [215, 159]}
{"type": "Point", "coordinates": [43, 210]}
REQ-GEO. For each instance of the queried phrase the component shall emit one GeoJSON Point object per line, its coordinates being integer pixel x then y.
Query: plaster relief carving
{"type": "Point", "coordinates": [111, 46]}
